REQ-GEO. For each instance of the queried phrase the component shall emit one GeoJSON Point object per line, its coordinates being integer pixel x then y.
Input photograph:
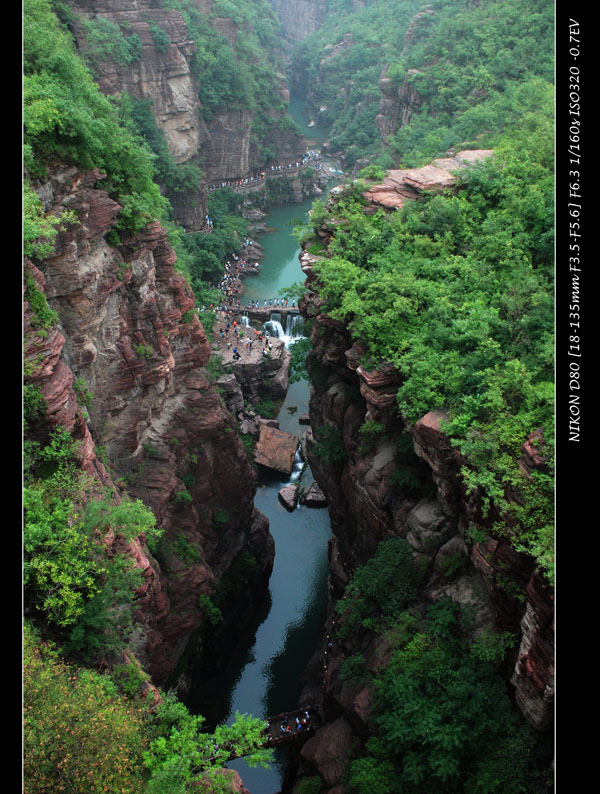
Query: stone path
{"type": "Point", "coordinates": [221, 346]}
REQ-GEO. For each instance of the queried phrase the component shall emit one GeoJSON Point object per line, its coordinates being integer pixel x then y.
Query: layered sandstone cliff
{"type": "Point", "coordinates": [369, 502]}
{"type": "Point", "coordinates": [224, 143]}
{"type": "Point", "coordinates": [128, 330]}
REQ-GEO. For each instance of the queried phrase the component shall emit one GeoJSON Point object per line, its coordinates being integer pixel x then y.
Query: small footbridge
{"type": "Point", "coordinates": [263, 313]}
{"type": "Point", "coordinates": [290, 726]}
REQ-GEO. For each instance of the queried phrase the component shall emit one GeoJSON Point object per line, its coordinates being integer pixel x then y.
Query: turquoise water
{"type": "Point", "coordinates": [263, 675]}
{"type": "Point", "coordinates": [280, 266]}
{"type": "Point", "coordinates": [315, 135]}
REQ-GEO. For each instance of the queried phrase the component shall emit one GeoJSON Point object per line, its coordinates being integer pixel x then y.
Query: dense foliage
{"type": "Point", "coordinates": [71, 584]}
{"type": "Point", "coordinates": [468, 64]}
{"type": "Point", "coordinates": [444, 718]}
{"type": "Point", "coordinates": [456, 291]}
{"type": "Point", "coordinates": [83, 732]}
{"type": "Point", "coordinates": [79, 734]}
{"type": "Point", "coordinates": [67, 119]}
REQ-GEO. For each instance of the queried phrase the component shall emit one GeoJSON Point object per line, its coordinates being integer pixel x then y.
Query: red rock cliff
{"type": "Point", "coordinates": [367, 504]}
{"type": "Point", "coordinates": [127, 329]}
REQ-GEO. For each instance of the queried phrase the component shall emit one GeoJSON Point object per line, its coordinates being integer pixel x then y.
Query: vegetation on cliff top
{"type": "Point", "coordinates": [463, 62]}
{"type": "Point", "coordinates": [66, 119]}
{"type": "Point", "coordinates": [456, 291]}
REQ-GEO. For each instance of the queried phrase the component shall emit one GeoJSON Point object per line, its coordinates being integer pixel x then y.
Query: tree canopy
{"type": "Point", "coordinates": [456, 291]}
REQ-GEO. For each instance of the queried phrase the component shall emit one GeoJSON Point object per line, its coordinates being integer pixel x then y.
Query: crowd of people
{"type": "Point", "coordinates": [303, 723]}
{"type": "Point", "coordinates": [230, 285]}
{"type": "Point", "coordinates": [244, 338]}
{"type": "Point", "coordinates": [283, 303]}
{"type": "Point", "coordinates": [308, 156]}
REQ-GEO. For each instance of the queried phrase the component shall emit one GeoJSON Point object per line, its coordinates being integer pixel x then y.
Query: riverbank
{"type": "Point", "coordinates": [264, 672]}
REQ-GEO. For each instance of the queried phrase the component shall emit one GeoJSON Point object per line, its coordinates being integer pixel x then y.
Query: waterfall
{"type": "Point", "coordinates": [298, 466]}
{"type": "Point", "coordinates": [275, 328]}
{"type": "Point", "coordinates": [245, 320]}
{"type": "Point", "coordinates": [294, 325]}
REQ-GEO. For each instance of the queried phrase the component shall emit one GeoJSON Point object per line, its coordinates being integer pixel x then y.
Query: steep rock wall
{"type": "Point", "coordinates": [368, 503]}
{"type": "Point", "coordinates": [225, 147]}
{"type": "Point", "coordinates": [299, 18]}
{"type": "Point", "coordinates": [397, 104]}
{"type": "Point", "coordinates": [127, 329]}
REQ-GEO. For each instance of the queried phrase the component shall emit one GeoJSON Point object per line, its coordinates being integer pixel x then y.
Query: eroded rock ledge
{"type": "Point", "coordinates": [126, 330]}
{"type": "Point", "coordinates": [366, 505]}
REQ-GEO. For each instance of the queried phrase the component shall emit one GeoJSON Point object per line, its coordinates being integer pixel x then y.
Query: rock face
{"type": "Point", "coordinates": [288, 496]}
{"type": "Point", "coordinates": [223, 144]}
{"type": "Point", "coordinates": [397, 104]}
{"type": "Point", "coordinates": [314, 497]}
{"type": "Point", "coordinates": [127, 332]}
{"type": "Point", "coordinates": [407, 184]}
{"type": "Point", "coordinates": [299, 18]}
{"type": "Point", "coordinates": [330, 750]}
{"type": "Point", "coordinates": [163, 77]}
{"type": "Point", "coordinates": [366, 505]}
{"type": "Point", "coordinates": [261, 376]}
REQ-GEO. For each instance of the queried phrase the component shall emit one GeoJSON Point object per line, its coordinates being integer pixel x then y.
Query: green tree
{"type": "Point", "coordinates": [441, 708]}
{"type": "Point", "coordinates": [180, 752]}
{"type": "Point", "coordinates": [78, 733]}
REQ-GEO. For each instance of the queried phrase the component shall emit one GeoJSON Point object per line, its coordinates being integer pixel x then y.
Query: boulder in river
{"type": "Point", "coordinates": [314, 497]}
{"type": "Point", "coordinates": [288, 496]}
{"type": "Point", "coordinates": [276, 449]}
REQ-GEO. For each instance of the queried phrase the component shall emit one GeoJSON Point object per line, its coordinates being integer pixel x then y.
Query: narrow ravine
{"type": "Point", "coordinates": [263, 675]}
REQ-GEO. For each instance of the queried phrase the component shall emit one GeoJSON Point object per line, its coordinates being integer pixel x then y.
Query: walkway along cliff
{"type": "Point", "coordinates": [127, 329]}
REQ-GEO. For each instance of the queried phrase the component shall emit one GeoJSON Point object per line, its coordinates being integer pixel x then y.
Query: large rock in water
{"type": "Point", "coordinates": [276, 449]}
{"type": "Point", "coordinates": [288, 496]}
{"type": "Point", "coordinates": [314, 497]}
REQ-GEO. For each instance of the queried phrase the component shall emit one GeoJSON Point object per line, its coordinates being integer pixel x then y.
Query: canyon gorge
{"type": "Point", "coordinates": [130, 368]}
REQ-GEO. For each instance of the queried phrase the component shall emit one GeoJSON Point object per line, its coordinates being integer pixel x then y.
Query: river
{"type": "Point", "coordinates": [263, 675]}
